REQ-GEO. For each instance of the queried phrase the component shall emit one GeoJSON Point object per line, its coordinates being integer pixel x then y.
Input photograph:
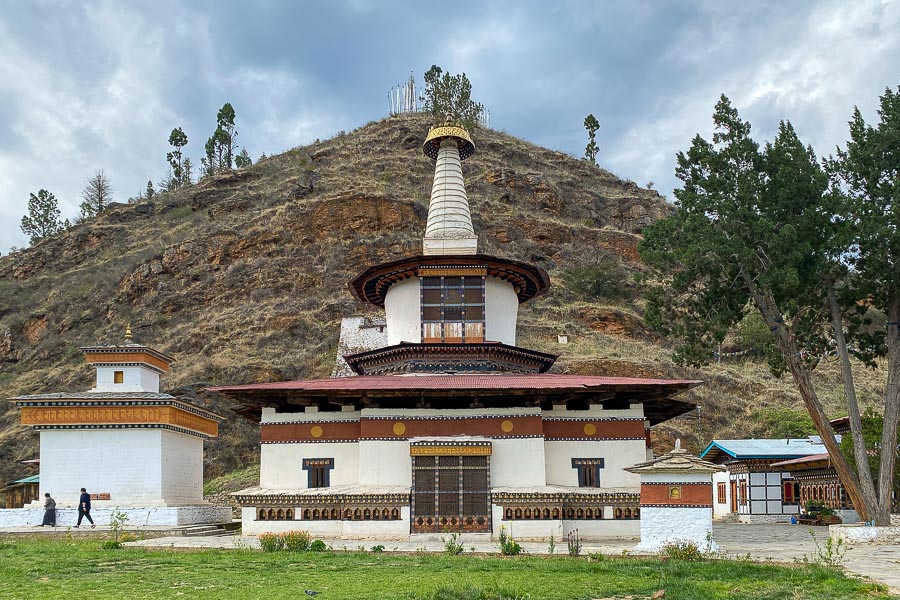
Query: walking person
{"type": "Point", "coordinates": [84, 508]}
{"type": "Point", "coordinates": [49, 511]}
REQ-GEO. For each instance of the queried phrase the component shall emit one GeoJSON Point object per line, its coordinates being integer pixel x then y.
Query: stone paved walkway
{"type": "Point", "coordinates": [781, 543]}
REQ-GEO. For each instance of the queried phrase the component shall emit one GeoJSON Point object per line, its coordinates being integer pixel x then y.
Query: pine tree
{"type": "Point", "coordinates": [226, 135]}
{"type": "Point", "coordinates": [592, 125]}
{"type": "Point", "coordinates": [447, 94]}
{"type": "Point", "coordinates": [43, 217]}
{"type": "Point", "coordinates": [187, 173]}
{"type": "Point", "coordinates": [243, 159]}
{"type": "Point", "coordinates": [96, 195]}
{"type": "Point", "coordinates": [150, 192]}
{"type": "Point", "coordinates": [178, 140]}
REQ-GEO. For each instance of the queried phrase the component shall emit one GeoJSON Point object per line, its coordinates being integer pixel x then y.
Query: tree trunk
{"type": "Point", "coordinates": [891, 416]}
{"type": "Point", "coordinates": [784, 339]}
{"type": "Point", "coordinates": [863, 470]}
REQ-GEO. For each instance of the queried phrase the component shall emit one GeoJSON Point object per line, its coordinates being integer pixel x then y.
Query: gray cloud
{"type": "Point", "coordinates": [100, 85]}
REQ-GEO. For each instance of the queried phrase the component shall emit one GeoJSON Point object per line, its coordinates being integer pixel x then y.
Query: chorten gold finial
{"type": "Point", "coordinates": [449, 130]}
{"type": "Point", "coordinates": [128, 336]}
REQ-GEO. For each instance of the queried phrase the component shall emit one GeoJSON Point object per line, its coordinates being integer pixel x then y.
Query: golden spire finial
{"type": "Point", "coordinates": [128, 337]}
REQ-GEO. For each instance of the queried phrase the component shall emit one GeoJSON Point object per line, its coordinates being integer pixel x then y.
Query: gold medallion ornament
{"type": "Point", "coordinates": [506, 426]}
{"type": "Point", "coordinates": [399, 428]}
{"type": "Point", "coordinates": [316, 431]}
{"type": "Point", "coordinates": [590, 429]}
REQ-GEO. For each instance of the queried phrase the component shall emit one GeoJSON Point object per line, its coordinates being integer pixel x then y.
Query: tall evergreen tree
{"type": "Point", "coordinates": [592, 125]}
{"type": "Point", "coordinates": [178, 139]}
{"type": "Point", "coordinates": [96, 195]}
{"type": "Point", "coordinates": [243, 159]}
{"type": "Point", "coordinates": [226, 135]}
{"type": "Point", "coordinates": [150, 192]}
{"type": "Point", "coordinates": [867, 174]}
{"type": "Point", "coordinates": [43, 217]}
{"type": "Point", "coordinates": [758, 230]}
{"type": "Point", "coordinates": [447, 94]}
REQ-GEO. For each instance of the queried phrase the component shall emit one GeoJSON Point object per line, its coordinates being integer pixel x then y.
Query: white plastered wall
{"type": "Point", "coordinates": [182, 468]}
{"type": "Point", "coordinates": [281, 465]}
{"type": "Point", "coordinates": [347, 530]}
{"type": "Point", "coordinates": [662, 525]}
{"type": "Point", "coordinates": [616, 454]}
{"type": "Point", "coordinates": [126, 463]}
{"type": "Point", "coordinates": [501, 307]}
{"type": "Point", "coordinates": [402, 312]}
{"type": "Point", "coordinates": [134, 379]}
{"type": "Point", "coordinates": [721, 509]}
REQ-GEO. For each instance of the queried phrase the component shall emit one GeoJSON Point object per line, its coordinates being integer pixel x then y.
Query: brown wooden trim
{"type": "Point", "coordinates": [99, 358]}
{"type": "Point", "coordinates": [495, 427]}
{"type": "Point", "coordinates": [594, 429]}
{"type": "Point", "coordinates": [320, 431]}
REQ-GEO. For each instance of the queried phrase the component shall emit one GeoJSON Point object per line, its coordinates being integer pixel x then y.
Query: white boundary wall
{"type": "Point", "coordinates": [136, 516]}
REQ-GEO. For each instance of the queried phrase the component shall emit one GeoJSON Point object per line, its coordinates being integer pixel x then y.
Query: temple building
{"type": "Point", "coordinates": [136, 450]}
{"type": "Point", "coordinates": [445, 423]}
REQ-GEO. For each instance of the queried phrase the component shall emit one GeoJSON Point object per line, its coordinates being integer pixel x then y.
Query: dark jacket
{"type": "Point", "coordinates": [84, 503]}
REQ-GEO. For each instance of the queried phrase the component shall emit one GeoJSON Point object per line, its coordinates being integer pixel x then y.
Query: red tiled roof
{"type": "Point", "coordinates": [802, 460]}
{"type": "Point", "coordinates": [543, 381]}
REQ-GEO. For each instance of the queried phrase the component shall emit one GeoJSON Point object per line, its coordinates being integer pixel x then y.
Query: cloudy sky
{"type": "Point", "coordinates": [99, 85]}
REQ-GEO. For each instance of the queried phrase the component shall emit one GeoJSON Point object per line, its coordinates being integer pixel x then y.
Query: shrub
{"type": "Point", "coordinates": [296, 541]}
{"type": "Point", "coordinates": [682, 550]}
{"type": "Point", "coordinates": [378, 548]}
{"type": "Point", "coordinates": [318, 546]}
{"type": "Point", "coordinates": [271, 542]}
{"type": "Point", "coordinates": [508, 546]}
{"type": "Point", "coordinates": [111, 545]}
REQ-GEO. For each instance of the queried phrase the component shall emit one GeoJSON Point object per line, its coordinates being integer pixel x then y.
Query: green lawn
{"type": "Point", "coordinates": [80, 569]}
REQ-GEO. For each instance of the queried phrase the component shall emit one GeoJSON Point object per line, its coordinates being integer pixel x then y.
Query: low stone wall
{"type": "Point", "coordinates": [860, 534]}
{"type": "Point", "coordinates": [764, 518]}
{"type": "Point", "coordinates": [136, 516]}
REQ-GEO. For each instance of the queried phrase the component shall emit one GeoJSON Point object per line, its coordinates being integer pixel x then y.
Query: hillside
{"type": "Point", "coordinates": [243, 278]}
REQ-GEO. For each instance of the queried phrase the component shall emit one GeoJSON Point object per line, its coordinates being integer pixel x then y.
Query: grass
{"type": "Point", "coordinates": [73, 569]}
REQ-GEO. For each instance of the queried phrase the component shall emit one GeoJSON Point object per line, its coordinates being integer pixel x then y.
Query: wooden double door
{"type": "Point", "coordinates": [451, 494]}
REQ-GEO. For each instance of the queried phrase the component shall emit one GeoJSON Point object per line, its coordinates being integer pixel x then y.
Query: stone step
{"type": "Point", "coordinates": [203, 530]}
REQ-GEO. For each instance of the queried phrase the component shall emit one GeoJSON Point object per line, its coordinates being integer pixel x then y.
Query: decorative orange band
{"type": "Point", "coordinates": [450, 451]}
{"type": "Point", "coordinates": [676, 494]}
{"type": "Point", "coordinates": [451, 272]}
{"type": "Point", "coordinates": [118, 415]}
{"type": "Point", "coordinates": [99, 358]}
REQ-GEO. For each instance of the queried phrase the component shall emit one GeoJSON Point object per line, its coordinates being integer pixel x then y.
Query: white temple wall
{"type": "Point", "coordinates": [269, 415]}
{"type": "Point", "coordinates": [281, 465]}
{"type": "Point", "coordinates": [402, 311]}
{"type": "Point", "coordinates": [126, 463]}
{"type": "Point", "coordinates": [134, 379]}
{"type": "Point", "coordinates": [662, 525]}
{"type": "Point", "coordinates": [350, 530]}
{"type": "Point", "coordinates": [517, 462]}
{"type": "Point", "coordinates": [501, 307]}
{"type": "Point", "coordinates": [616, 455]}
{"type": "Point", "coordinates": [182, 468]}
{"type": "Point", "coordinates": [385, 462]}
{"type": "Point", "coordinates": [721, 506]}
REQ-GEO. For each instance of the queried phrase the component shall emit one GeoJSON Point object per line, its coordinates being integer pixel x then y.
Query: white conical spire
{"type": "Point", "coordinates": [449, 229]}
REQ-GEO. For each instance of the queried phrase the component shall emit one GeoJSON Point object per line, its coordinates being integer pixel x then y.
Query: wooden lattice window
{"type": "Point", "coordinates": [318, 472]}
{"type": "Point", "coordinates": [118, 376]}
{"type": "Point", "coordinates": [451, 493]}
{"type": "Point", "coordinates": [588, 471]}
{"type": "Point", "coordinates": [742, 493]}
{"type": "Point", "coordinates": [791, 491]}
{"type": "Point", "coordinates": [452, 309]}
{"type": "Point", "coordinates": [720, 493]}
